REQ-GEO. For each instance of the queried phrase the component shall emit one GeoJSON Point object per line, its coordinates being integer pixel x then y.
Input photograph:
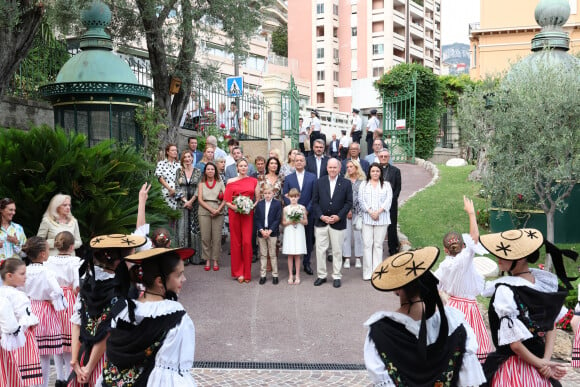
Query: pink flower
{"type": "Point", "coordinates": [520, 197]}
{"type": "Point", "coordinates": [222, 125]}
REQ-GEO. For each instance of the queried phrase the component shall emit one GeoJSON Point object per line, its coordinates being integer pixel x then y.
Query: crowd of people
{"type": "Point", "coordinates": [112, 318]}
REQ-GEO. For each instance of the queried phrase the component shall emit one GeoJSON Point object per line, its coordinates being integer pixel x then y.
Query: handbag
{"type": "Point", "coordinates": [357, 222]}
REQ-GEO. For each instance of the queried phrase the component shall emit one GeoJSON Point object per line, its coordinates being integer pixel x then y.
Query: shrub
{"type": "Point", "coordinates": [103, 181]}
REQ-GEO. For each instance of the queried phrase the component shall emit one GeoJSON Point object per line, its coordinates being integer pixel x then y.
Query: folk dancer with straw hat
{"type": "Point", "coordinates": [422, 343]}
{"type": "Point", "coordinates": [523, 310]}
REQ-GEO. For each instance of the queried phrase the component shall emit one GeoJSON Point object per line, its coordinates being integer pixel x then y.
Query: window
{"type": "Point", "coordinates": [378, 49]}
{"type": "Point", "coordinates": [353, 31]}
{"type": "Point", "coordinates": [320, 53]}
{"type": "Point", "coordinates": [319, 97]}
{"type": "Point", "coordinates": [319, 31]}
{"type": "Point", "coordinates": [320, 8]}
{"type": "Point", "coordinates": [335, 32]}
{"type": "Point", "coordinates": [320, 75]}
{"type": "Point", "coordinates": [335, 53]}
{"type": "Point", "coordinates": [335, 9]}
{"type": "Point", "coordinates": [335, 76]}
{"type": "Point", "coordinates": [378, 71]}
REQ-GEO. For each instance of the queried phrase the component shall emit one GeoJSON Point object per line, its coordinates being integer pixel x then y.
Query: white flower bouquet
{"type": "Point", "coordinates": [244, 204]}
{"type": "Point", "coordinates": [296, 215]}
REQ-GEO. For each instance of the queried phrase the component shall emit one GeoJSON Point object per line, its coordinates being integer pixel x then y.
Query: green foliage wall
{"type": "Point", "coordinates": [280, 41]}
{"type": "Point", "coordinates": [428, 102]}
{"type": "Point", "coordinates": [103, 181]}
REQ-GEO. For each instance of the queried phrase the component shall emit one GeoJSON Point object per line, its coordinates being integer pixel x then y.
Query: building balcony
{"type": "Point", "coordinates": [398, 41]}
{"type": "Point", "coordinates": [416, 10]}
{"type": "Point", "coordinates": [398, 59]}
{"type": "Point", "coordinates": [398, 18]}
{"type": "Point", "coordinates": [417, 30]}
{"type": "Point", "coordinates": [437, 34]}
{"type": "Point", "coordinates": [416, 51]}
{"type": "Point", "coordinates": [428, 24]}
{"type": "Point", "coordinates": [429, 4]}
{"type": "Point", "coordinates": [399, 2]}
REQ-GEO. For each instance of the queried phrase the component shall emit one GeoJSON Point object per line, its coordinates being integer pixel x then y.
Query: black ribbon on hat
{"type": "Point", "coordinates": [558, 261]}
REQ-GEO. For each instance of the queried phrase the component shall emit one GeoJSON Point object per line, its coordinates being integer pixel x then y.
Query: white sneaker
{"type": "Point", "coordinates": [347, 263]}
{"type": "Point", "coordinates": [358, 264]}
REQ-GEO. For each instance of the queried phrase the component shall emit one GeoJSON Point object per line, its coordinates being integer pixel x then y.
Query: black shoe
{"type": "Point", "coordinates": [329, 258]}
{"type": "Point", "coordinates": [319, 281]}
{"type": "Point", "coordinates": [308, 269]}
{"type": "Point", "coordinates": [254, 258]}
{"type": "Point", "coordinates": [336, 283]}
{"type": "Point", "coordinates": [262, 280]}
{"type": "Point", "coordinates": [275, 281]}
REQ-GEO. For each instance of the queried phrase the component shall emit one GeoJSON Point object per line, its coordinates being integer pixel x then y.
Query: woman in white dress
{"type": "Point", "coordinates": [422, 342]}
{"type": "Point", "coordinates": [153, 338]}
{"type": "Point", "coordinates": [461, 281]}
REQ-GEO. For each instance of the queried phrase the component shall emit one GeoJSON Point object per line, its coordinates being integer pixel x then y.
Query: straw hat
{"type": "Point", "coordinates": [117, 241]}
{"type": "Point", "coordinates": [400, 269]}
{"type": "Point", "coordinates": [512, 245]}
{"type": "Point", "coordinates": [184, 253]}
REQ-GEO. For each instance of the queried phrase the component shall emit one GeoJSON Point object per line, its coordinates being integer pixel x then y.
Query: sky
{"type": "Point", "coordinates": [455, 18]}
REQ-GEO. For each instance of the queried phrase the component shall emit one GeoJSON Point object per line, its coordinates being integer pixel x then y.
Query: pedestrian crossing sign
{"type": "Point", "coordinates": [235, 86]}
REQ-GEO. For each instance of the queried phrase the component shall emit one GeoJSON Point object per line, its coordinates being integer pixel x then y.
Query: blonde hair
{"type": "Point", "coordinates": [293, 192]}
{"type": "Point", "coordinates": [56, 201]}
{"type": "Point", "coordinates": [276, 153]}
{"type": "Point", "coordinates": [360, 175]}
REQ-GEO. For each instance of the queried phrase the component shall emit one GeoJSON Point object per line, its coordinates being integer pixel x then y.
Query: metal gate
{"type": "Point", "coordinates": [290, 113]}
{"type": "Point", "coordinates": [399, 122]}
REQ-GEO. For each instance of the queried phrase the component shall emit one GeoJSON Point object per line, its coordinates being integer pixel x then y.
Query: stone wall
{"type": "Point", "coordinates": [24, 114]}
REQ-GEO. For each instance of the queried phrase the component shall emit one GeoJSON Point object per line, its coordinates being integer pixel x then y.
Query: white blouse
{"type": "Point", "coordinates": [458, 276]}
{"type": "Point", "coordinates": [15, 311]}
{"type": "Point", "coordinates": [372, 199]}
{"type": "Point", "coordinates": [470, 373]}
{"type": "Point", "coordinates": [65, 268]}
{"type": "Point", "coordinates": [505, 304]}
{"type": "Point", "coordinates": [174, 359]}
{"type": "Point", "coordinates": [41, 284]}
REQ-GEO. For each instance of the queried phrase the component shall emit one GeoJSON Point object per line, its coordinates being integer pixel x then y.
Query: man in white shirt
{"type": "Point", "coordinates": [344, 144]}
{"type": "Point", "coordinates": [219, 153]}
{"type": "Point", "coordinates": [372, 124]}
{"type": "Point", "coordinates": [374, 157]}
{"type": "Point", "coordinates": [302, 134]}
{"type": "Point", "coordinates": [356, 131]}
{"type": "Point", "coordinates": [314, 128]}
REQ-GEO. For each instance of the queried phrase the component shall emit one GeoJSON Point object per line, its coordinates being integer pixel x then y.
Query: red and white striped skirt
{"type": "Point", "coordinates": [94, 376]}
{"type": "Point", "coordinates": [576, 350]}
{"type": "Point", "coordinates": [28, 360]}
{"type": "Point", "coordinates": [473, 317]}
{"type": "Point", "coordinates": [9, 372]}
{"type": "Point", "coordinates": [49, 330]}
{"type": "Point", "coordinates": [517, 373]}
{"type": "Point", "coordinates": [65, 316]}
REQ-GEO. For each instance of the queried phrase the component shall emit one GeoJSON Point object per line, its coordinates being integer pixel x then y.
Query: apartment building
{"type": "Point", "coordinates": [343, 46]}
{"type": "Point", "coordinates": [503, 35]}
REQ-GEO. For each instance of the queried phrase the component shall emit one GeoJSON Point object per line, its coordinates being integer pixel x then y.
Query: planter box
{"type": "Point", "coordinates": [566, 224]}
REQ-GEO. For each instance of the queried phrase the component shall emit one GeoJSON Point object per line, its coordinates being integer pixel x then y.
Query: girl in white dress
{"type": "Point", "coordinates": [65, 267]}
{"type": "Point", "coordinates": [294, 235]}
{"type": "Point", "coordinates": [422, 343]}
{"type": "Point", "coordinates": [461, 281]}
{"type": "Point", "coordinates": [153, 339]}
{"type": "Point", "coordinates": [19, 348]}
{"type": "Point", "coordinates": [47, 299]}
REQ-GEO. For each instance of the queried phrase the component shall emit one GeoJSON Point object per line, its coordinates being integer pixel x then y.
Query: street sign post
{"type": "Point", "coordinates": [235, 86]}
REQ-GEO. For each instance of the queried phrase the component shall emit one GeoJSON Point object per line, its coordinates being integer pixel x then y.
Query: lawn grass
{"type": "Point", "coordinates": [431, 213]}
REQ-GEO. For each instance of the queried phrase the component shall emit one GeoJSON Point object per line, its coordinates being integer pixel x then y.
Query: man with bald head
{"type": "Point", "coordinates": [331, 201]}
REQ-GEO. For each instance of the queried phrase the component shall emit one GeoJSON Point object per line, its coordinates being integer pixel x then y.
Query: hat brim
{"type": "Point", "coordinates": [183, 253]}
{"type": "Point", "coordinates": [117, 241]}
{"type": "Point", "coordinates": [400, 269]}
{"type": "Point", "coordinates": [512, 245]}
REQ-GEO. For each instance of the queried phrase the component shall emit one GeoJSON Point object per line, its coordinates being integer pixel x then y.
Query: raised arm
{"type": "Point", "coordinates": [143, 195]}
{"type": "Point", "coordinates": [473, 229]}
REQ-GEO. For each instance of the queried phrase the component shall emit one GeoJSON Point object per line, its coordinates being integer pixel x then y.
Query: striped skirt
{"type": "Point", "coordinates": [9, 372]}
{"type": "Point", "coordinates": [94, 376]}
{"type": "Point", "coordinates": [49, 330]}
{"type": "Point", "coordinates": [576, 350]}
{"type": "Point", "coordinates": [28, 360]}
{"type": "Point", "coordinates": [517, 373]}
{"type": "Point", "coordinates": [65, 316]}
{"type": "Point", "coordinates": [475, 320]}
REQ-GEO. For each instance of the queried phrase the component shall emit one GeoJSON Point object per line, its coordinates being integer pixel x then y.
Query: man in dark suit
{"type": "Point", "coordinates": [331, 201]}
{"type": "Point", "coordinates": [334, 146]}
{"type": "Point", "coordinates": [192, 147]}
{"type": "Point", "coordinates": [392, 174]}
{"type": "Point", "coordinates": [267, 216]}
{"type": "Point", "coordinates": [316, 163]}
{"type": "Point", "coordinates": [304, 181]}
{"type": "Point", "coordinates": [354, 154]}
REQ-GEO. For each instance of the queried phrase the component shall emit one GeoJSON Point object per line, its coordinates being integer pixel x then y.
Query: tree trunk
{"type": "Point", "coordinates": [17, 40]}
{"type": "Point", "coordinates": [549, 235]}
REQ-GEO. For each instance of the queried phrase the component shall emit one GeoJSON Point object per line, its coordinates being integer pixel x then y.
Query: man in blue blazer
{"type": "Point", "coordinates": [316, 162]}
{"type": "Point", "coordinates": [267, 217]}
{"type": "Point", "coordinates": [303, 181]}
{"type": "Point", "coordinates": [192, 147]}
{"type": "Point", "coordinates": [331, 201]}
{"type": "Point", "coordinates": [354, 154]}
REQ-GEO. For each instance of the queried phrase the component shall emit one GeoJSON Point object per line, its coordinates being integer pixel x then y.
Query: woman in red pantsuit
{"type": "Point", "coordinates": [241, 225]}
